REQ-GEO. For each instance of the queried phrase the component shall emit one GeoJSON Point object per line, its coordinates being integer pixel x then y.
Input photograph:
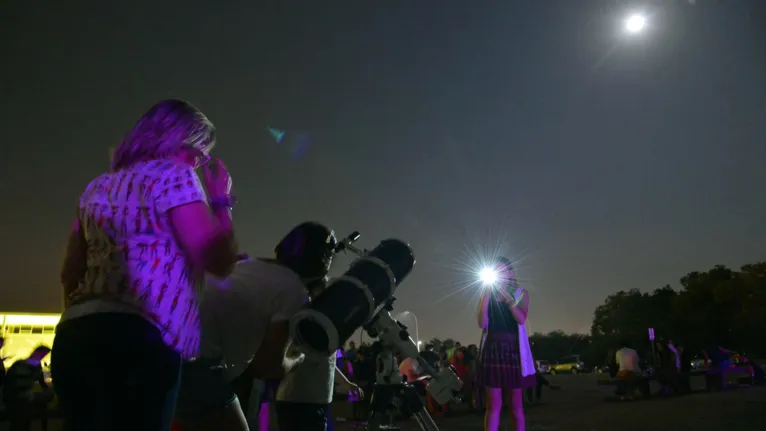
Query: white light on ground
{"type": "Point", "coordinates": [635, 23]}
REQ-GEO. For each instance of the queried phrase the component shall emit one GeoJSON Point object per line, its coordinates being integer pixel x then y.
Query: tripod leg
{"type": "Point", "coordinates": [380, 404]}
{"type": "Point", "coordinates": [412, 404]}
{"type": "Point", "coordinates": [425, 421]}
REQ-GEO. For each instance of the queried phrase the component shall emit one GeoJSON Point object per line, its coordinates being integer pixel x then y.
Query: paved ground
{"type": "Point", "coordinates": [583, 406]}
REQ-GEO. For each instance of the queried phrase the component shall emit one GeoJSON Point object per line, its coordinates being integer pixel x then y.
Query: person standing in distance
{"type": "Point", "coordinates": [144, 234]}
{"type": "Point", "coordinates": [502, 313]}
{"type": "Point", "coordinates": [245, 330]}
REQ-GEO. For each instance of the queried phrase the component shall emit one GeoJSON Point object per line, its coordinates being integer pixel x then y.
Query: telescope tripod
{"type": "Point", "coordinates": [390, 393]}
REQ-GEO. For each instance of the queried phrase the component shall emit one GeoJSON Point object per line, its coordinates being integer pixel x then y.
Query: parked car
{"type": "Point", "coordinates": [568, 364]}
{"type": "Point", "coordinates": [697, 363]}
{"type": "Point", "coordinates": [543, 367]}
{"type": "Point", "coordinates": [601, 369]}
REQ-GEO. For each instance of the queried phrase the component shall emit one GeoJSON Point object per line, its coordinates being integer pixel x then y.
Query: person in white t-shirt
{"type": "Point", "coordinates": [629, 369]}
{"type": "Point", "coordinates": [627, 361]}
{"type": "Point", "coordinates": [245, 329]}
{"type": "Point", "coordinates": [305, 393]}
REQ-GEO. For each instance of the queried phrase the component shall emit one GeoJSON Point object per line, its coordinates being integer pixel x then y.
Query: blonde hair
{"type": "Point", "coordinates": [165, 128]}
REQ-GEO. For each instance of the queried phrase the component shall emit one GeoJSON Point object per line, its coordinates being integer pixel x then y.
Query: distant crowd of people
{"type": "Point", "coordinates": [464, 361]}
{"type": "Point", "coordinates": [671, 365]}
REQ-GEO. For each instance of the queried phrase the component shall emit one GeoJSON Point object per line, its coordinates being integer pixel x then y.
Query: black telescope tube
{"type": "Point", "coordinates": [328, 321]}
{"type": "Point", "coordinates": [345, 319]}
{"type": "Point", "coordinates": [397, 255]}
{"type": "Point", "coordinates": [376, 277]}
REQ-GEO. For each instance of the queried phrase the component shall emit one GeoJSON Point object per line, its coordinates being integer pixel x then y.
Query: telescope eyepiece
{"type": "Point", "coordinates": [345, 242]}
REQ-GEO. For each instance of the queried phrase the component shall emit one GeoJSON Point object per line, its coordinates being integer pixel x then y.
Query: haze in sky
{"type": "Point", "coordinates": [598, 161]}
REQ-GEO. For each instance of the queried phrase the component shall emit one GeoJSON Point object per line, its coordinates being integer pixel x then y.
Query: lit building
{"type": "Point", "coordinates": [24, 332]}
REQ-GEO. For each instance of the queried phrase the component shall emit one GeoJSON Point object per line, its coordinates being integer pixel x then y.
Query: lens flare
{"type": "Point", "coordinates": [472, 265]}
{"type": "Point", "coordinates": [488, 276]}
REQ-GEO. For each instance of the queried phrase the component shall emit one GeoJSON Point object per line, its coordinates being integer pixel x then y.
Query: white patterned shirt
{"type": "Point", "coordinates": [134, 263]}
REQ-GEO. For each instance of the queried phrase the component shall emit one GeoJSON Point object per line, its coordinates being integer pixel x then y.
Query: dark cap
{"type": "Point", "coordinates": [307, 249]}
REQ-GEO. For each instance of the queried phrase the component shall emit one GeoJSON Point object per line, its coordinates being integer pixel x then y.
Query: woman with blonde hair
{"type": "Point", "coordinates": [144, 234]}
{"type": "Point", "coordinates": [506, 365]}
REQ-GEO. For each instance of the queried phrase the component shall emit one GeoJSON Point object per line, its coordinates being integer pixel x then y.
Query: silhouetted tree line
{"type": "Point", "coordinates": [558, 344]}
{"type": "Point", "coordinates": [716, 307]}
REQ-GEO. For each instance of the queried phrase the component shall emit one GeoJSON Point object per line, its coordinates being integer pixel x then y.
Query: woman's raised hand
{"type": "Point", "coordinates": [217, 178]}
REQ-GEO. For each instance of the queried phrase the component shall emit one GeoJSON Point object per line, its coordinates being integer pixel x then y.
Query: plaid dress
{"type": "Point", "coordinates": [499, 358]}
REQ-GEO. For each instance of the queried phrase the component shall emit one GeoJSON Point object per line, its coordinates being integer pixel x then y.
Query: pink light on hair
{"type": "Point", "coordinates": [164, 129]}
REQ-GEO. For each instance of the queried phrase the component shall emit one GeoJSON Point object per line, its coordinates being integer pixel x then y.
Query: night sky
{"type": "Point", "coordinates": [600, 161]}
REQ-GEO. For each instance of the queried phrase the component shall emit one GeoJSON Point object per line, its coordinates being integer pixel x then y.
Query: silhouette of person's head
{"type": "Point", "coordinates": [39, 354]}
{"type": "Point", "coordinates": [308, 250]}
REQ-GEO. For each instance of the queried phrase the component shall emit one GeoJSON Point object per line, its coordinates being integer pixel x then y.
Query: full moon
{"type": "Point", "coordinates": [635, 23]}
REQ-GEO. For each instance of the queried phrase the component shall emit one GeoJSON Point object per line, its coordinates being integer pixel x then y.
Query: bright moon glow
{"type": "Point", "coordinates": [635, 23]}
{"type": "Point", "coordinates": [488, 276]}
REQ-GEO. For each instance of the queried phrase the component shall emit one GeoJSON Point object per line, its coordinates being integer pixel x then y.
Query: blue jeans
{"type": "Point", "coordinates": [113, 372]}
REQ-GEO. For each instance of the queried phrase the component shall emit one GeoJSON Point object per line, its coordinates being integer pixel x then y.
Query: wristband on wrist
{"type": "Point", "coordinates": [221, 202]}
{"type": "Point", "coordinates": [517, 301]}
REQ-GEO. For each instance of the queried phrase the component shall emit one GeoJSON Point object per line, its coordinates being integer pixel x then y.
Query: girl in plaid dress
{"type": "Point", "coordinates": [502, 309]}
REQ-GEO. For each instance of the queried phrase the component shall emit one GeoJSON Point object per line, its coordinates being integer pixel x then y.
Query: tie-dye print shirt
{"type": "Point", "coordinates": [134, 261]}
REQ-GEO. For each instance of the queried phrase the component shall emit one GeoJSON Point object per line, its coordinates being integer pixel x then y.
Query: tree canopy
{"type": "Point", "coordinates": [720, 306]}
